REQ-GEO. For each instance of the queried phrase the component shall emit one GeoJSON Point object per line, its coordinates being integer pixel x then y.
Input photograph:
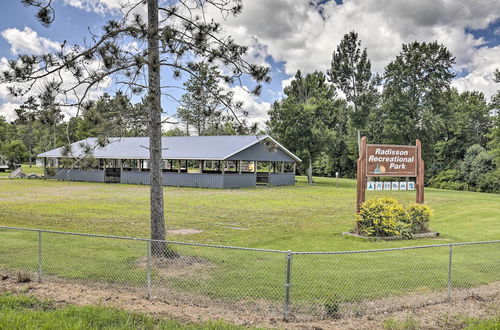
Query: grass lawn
{"type": "Point", "coordinates": [26, 169]}
{"type": "Point", "coordinates": [25, 312]}
{"type": "Point", "coordinates": [299, 218]}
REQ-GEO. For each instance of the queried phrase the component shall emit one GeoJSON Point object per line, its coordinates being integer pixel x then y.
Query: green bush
{"type": "Point", "coordinates": [382, 217]}
{"type": "Point", "coordinates": [419, 216]}
{"type": "Point", "coordinates": [489, 182]}
{"type": "Point", "coordinates": [449, 179]}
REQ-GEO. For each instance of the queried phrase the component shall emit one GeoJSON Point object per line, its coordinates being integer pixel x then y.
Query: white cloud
{"type": "Point", "coordinates": [257, 110]}
{"type": "Point", "coordinates": [28, 42]}
{"type": "Point", "coordinates": [483, 63]}
{"type": "Point", "coordinates": [304, 37]}
{"type": "Point", "coordinates": [97, 6]}
{"type": "Point", "coordinates": [7, 110]}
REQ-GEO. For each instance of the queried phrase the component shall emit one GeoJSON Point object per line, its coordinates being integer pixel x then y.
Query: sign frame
{"type": "Point", "coordinates": [362, 176]}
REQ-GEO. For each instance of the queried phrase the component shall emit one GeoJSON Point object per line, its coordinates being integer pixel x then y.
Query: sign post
{"type": "Point", "coordinates": [382, 160]}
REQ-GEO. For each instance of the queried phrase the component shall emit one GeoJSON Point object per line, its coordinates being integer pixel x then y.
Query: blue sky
{"type": "Point", "coordinates": [289, 35]}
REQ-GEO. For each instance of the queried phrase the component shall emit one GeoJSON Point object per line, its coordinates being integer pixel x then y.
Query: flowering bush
{"type": "Point", "coordinates": [385, 216]}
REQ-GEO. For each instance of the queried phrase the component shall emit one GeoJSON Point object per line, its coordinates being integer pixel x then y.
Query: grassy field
{"type": "Point", "coordinates": [25, 312]}
{"type": "Point", "coordinates": [26, 169]}
{"type": "Point", "coordinates": [299, 218]}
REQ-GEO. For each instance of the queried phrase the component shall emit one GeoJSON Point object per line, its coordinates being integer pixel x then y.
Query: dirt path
{"type": "Point", "coordinates": [437, 316]}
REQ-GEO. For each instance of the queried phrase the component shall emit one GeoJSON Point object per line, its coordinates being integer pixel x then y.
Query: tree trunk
{"type": "Point", "coordinates": [310, 171]}
{"type": "Point", "coordinates": [155, 146]}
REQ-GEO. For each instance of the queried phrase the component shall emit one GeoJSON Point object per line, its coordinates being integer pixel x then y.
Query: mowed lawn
{"type": "Point", "coordinates": [300, 218]}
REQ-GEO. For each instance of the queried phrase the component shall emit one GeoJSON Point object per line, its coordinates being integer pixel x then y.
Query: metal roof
{"type": "Point", "coordinates": [220, 147]}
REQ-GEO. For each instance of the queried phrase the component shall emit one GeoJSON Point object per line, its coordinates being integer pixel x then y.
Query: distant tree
{"type": "Point", "coordinates": [477, 161]}
{"type": "Point", "coordinates": [27, 114]}
{"type": "Point", "coordinates": [415, 96]}
{"type": "Point", "coordinates": [299, 119]}
{"type": "Point", "coordinates": [350, 72]}
{"type": "Point", "coordinates": [204, 103]}
{"type": "Point", "coordinates": [113, 116]}
{"type": "Point", "coordinates": [15, 152]}
{"type": "Point", "coordinates": [174, 132]}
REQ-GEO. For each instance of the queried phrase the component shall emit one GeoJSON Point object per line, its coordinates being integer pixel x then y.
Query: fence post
{"type": "Point", "coordinates": [39, 256]}
{"type": "Point", "coordinates": [449, 271]}
{"type": "Point", "coordinates": [288, 284]}
{"type": "Point", "coordinates": [148, 271]}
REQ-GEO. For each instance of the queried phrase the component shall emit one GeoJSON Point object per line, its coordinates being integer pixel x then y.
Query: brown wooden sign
{"type": "Point", "coordinates": [391, 160]}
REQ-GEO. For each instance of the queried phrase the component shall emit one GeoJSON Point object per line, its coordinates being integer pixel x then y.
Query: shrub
{"type": "Point", "coordinates": [489, 182]}
{"type": "Point", "coordinates": [419, 216]}
{"type": "Point", "coordinates": [449, 179]}
{"type": "Point", "coordinates": [381, 217]}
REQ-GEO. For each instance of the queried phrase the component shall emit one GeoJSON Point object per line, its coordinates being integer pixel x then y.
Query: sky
{"type": "Point", "coordinates": [288, 35]}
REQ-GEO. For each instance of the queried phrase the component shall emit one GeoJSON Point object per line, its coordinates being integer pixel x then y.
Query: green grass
{"type": "Point", "coordinates": [26, 312]}
{"type": "Point", "coordinates": [299, 218]}
{"type": "Point", "coordinates": [26, 169]}
{"type": "Point", "coordinates": [446, 322]}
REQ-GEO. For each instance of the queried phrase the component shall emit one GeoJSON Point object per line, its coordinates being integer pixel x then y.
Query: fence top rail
{"type": "Point", "coordinates": [141, 239]}
{"type": "Point", "coordinates": [244, 248]}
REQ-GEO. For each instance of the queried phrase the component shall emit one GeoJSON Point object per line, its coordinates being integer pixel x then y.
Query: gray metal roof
{"type": "Point", "coordinates": [175, 147]}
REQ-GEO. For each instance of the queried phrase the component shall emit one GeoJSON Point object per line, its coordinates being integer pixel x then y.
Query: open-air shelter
{"type": "Point", "coordinates": [188, 161]}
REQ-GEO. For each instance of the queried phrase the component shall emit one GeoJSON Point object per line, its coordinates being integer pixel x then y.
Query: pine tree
{"type": "Point", "coordinates": [173, 35]}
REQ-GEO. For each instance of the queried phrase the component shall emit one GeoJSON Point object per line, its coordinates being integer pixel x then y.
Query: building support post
{"type": "Point", "coordinates": [239, 167]}
{"type": "Point", "coordinates": [180, 166]}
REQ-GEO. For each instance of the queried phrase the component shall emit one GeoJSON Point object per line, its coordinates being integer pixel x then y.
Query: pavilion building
{"type": "Point", "coordinates": [234, 161]}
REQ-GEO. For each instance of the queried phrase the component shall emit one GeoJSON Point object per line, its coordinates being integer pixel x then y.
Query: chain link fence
{"type": "Point", "coordinates": [270, 283]}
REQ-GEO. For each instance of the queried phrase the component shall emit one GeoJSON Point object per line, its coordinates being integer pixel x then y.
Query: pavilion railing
{"type": "Point", "coordinates": [268, 283]}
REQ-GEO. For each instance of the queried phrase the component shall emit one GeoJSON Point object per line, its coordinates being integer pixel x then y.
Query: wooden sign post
{"type": "Point", "coordinates": [377, 160]}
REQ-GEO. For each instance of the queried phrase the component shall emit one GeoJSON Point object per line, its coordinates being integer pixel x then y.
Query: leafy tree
{"type": "Point", "coordinates": [477, 161]}
{"type": "Point", "coordinates": [173, 35]}
{"type": "Point", "coordinates": [466, 120]}
{"type": "Point", "coordinates": [350, 72]}
{"type": "Point", "coordinates": [300, 119]}
{"type": "Point", "coordinates": [414, 96]}
{"type": "Point", "coordinates": [15, 152]}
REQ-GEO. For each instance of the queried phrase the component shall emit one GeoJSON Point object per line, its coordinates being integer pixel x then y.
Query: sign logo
{"type": "Point", "coordinates": [390, 160]}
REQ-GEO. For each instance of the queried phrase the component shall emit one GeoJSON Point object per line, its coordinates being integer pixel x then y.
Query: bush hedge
{"type": "Point", "coordinates": [385, 216]}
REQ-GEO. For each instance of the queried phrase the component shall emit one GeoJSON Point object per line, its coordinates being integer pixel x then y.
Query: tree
{"type": "Point", "coordinates": [27, 114]}
{"type": "Point", "coordinates": [15, 152]}
{"type": "Point", "coordinates": [184, 33]}
{"type": "Point", "coordinates": [204, 102]}
{"type": "Point", "coordinates": [300, 119]}
{"type": "Point", "coordinates": [350, 72]}
{"type": "Point", "coordinates": [477, 161]}
{"type": "Point", "coordinates": [415, 96]}
{"type": "Point", "coordinates": [113, 116]}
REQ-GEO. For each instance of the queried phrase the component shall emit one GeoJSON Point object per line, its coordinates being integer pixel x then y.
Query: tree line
{"type": "Point", "coordinates": [323, 114]}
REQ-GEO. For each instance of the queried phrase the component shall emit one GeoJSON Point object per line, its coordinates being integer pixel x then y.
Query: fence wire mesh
{"type": "Point", "coordinates": [296, 285]}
